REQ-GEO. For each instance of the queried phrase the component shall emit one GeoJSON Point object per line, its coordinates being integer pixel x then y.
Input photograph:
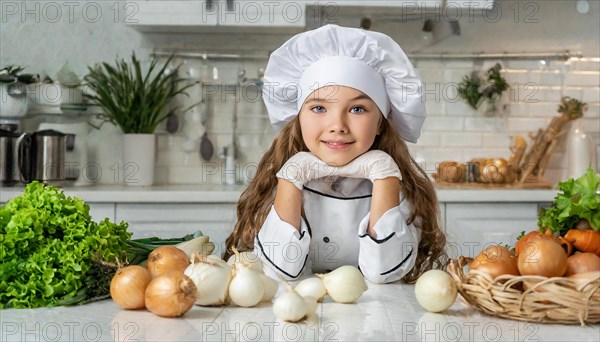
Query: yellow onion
{"type": "Point", "coordinates": [544, 257]}
{"type": "Point", "coordinates": [496, 261]}
{"type": "Point", "coordinates": [165, 259]}
{"type": "Point", "coordinates": [582, 263]}
{"type": "Point", "coordinates": [170, 295]}
{"type": "Point", "coordinates": [128, 286]}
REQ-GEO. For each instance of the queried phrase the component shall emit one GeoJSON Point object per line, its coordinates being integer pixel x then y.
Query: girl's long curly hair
{"type": "Point", "coordinates": [255, 202]}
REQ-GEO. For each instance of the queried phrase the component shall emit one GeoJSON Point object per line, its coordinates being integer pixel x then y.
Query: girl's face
{"type": "Point", "coordinates": [339, 123]}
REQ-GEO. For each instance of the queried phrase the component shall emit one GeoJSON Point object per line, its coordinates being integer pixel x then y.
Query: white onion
{"type": "Point", "coordinates": [435, 290]}
{"type": "Point", "coordinates": [246, 288]}
{"type": "Point", "coordinates": [247, 258]}
{"type": "Point", "coordinates": [270, 286]}
{"type": "Point", "coordinates": [311, 305]}
{"type": "Point", "coordinates": [290, 306]}
{"type": "Point", "coordinates": [211, 275]}
{"type": "Point", "coordinates": [312, 287]}
{"type": "Point", "coordinates": [344, 284]}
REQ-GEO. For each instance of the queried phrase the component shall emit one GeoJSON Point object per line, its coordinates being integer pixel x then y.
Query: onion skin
{"type": "Point", "coordinates": [166, 259]}
{"type": "Point", "coordinates": [170, 295]}
{"type": "Point", "coordinates": [523, 241]}
{"type": "Point", "coordinates": [128, 287]}
{"type": "Point", "coordinates": [584, 240]}
{"type": "Point", "coordinates": [496, 261]}
{"type": "Point", "coordinates": [582, 263]}
{"type": "Point", "coordinates": [542, 256]}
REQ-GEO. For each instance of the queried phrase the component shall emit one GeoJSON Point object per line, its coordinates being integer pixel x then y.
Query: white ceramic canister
{"type": "Point", "coordinates": [579, 151]}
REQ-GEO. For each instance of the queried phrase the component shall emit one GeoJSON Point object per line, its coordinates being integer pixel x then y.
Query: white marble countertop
{"type": "Point", "coordinates": [384, 313]}
{"type": "Point", "coordinates": [217, 193]}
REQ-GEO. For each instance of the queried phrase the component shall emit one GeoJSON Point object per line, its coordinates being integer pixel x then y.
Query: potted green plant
{"type": "Point", "coordinates": [137, 102]}
{"type": "Point", "coordinates": [482, 93]}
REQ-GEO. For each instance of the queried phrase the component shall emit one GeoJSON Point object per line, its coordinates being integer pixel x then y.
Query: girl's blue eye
{"type": "Point", "coordinates": [357, 110]}
{"type": "Point", "coordinates": [318, 109]}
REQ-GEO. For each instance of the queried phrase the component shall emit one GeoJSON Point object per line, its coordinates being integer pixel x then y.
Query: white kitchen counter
{"type": "Point", "coordinates": [384, 313]}
{"type": "Point", "coordinates": [216, 193]}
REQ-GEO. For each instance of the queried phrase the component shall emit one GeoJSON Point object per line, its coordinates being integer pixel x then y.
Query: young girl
{"type": "Point", "coordinates": [338, 185]}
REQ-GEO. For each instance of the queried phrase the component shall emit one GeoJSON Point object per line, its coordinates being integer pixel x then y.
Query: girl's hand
{"type": "Point", "coordinates": [304, 167]}
{"type": "Point", "coordinates": [371, 165]}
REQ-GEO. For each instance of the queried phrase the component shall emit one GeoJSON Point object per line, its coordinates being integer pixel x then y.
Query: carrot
{"type": "Point", "coordinates": [584, 240]}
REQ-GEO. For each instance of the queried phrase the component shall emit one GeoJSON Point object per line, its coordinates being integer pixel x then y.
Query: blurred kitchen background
{"type": "Point", "coordinates": [547, 49]}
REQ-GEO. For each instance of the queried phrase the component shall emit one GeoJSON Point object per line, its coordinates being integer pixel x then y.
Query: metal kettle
{"type": "Point", "coordinates": [9, 173]}
{"type": "Point", "coordinates": [41, 156]}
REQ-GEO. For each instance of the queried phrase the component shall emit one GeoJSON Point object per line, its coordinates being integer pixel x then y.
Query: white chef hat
{"type": "Point", "coordinates": [368, 61]}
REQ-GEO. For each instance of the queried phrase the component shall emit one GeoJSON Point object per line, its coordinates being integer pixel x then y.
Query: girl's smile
{"type": "Point", "coordinates": [339, 123]}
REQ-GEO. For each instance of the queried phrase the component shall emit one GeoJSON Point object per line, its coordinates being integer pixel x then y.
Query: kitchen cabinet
{"type": "Point", "coordinates": [269, 13]}
{"type": "Point", "coordinates": [100, 211]}
{"type": "Point", "coordinates": [471, 227]}
{"type": "Point", "coordinates": [378, 3]}
{"type": "Point", "coordinates": [170, 13]}
{"type": "Point", "coordinates": [470, 4]}
{"type": "Point", "coordinates": [215, 15]}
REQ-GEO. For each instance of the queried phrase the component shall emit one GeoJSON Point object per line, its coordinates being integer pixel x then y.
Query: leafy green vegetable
{"type": "Point", "coordinates": [579, 200]}
{"type": "Point", "coordinates": [52, 253]}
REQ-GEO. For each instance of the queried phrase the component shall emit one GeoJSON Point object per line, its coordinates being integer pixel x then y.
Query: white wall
{"type": "Point", "coordinates": [452, 131]}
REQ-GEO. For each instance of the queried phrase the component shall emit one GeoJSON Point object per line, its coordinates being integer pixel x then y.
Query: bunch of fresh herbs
{"type": "Point", "coordinates": [579, 199]}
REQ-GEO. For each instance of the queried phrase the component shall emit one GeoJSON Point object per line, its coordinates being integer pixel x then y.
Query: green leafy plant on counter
{"type": "Point", "coordinates": [52, 253]}
{"type": "Point", "coordinates": [478, 92]}
{"type": "Point", "coordinates": [135, 101]}
{"type": "Point", "coordinates": [579, 199]}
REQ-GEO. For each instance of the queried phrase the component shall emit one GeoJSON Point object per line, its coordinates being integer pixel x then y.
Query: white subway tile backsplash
{"type": "Point", "coordinates": [585, 65]}
{"type": "Point", "coordinates": [527, 125]}
{"type": "Point", "coordinates": [543, 109]}
{"type": "Point", "coordinates": [516, 76]}
{"type": "Point", "coordinates": [583, 79]}
{"type": "Point", "coordinates": [519, 110]}
{"type": "Point", "coordinates": [461, 139]}
{"type": "Point", "coordinates": [455, 76]}
{"type": "Point", "coordinates": [486, 153]}
{"type": "Point", "coordinates": [542, 94]}
{"type": "Point", "coordinates": [429, 139]}
{"type": "Point", "coordinates": [593, 111]}
{"type": "Point", "coordinates": [590, 95]}
{"type": "Point", "coordinates": [546, 78]}
{"type": "Point", "coordinates": [459, 108]}
{"type": "Point", "coordinates": [434, 108]}
{"type": "Point", "coordinates": [439, 155]}
{"type": "Point", "coordinates": [590, 125]}
{"type": "Point", "coordinates": [495, 140]}
{"type": "Point", "coordinates": [431, 75]}
{"type": "Point", "coordinates": [477, 124]}
{"type": "Point", "coordinates": [441, 123]}
{"type": "Point", "coordinates": [574, 92]}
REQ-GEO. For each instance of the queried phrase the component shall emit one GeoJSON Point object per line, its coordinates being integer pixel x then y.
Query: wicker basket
{"type": "Point", "coordinates": [529, 298]}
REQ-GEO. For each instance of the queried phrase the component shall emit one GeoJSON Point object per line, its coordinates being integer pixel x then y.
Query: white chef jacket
{"type": "Point", "coordinates": [335, 234]}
